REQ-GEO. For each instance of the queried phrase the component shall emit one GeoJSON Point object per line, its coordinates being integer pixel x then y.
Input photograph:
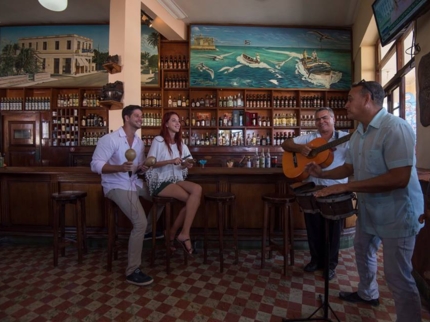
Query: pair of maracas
{"type": "Point", "coordinates": [130, 155]}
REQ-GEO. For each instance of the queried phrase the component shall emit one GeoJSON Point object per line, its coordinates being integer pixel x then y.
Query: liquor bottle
{"type": "Point", "coordinates": [262, 159]}
{"type": "Point", "coordinates": [193, 120]}
{"type": "Point", "coordinates": [268, 139]}
{"type": "Point", "coordinates": [170, 102]}
{"type": "Point", "coordinates": [179, 100]}
{"type": "Point", "coordinates": [207, 142]}
{"type": "Point", "coordinates": [256, 159]}
{"type": "Point", "coordinates": [253, 139]}
{"type": "Point", "coordinates": [239, 100]}
{"type": "Point", "coordinates": [268, 159]}
{"type": "Point", "coordinates": [85, 100]}
{"type": "Point", "coordinates": [248, 162]}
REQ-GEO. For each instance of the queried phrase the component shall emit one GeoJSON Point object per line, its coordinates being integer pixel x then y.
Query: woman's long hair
{"type": "Point", "coordinates": [164, 132]}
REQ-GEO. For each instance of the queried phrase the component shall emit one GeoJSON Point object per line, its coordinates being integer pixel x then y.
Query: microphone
{"type": "Point", "coordinates": [130, 155]}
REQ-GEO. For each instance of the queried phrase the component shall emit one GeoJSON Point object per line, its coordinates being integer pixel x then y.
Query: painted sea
{"type": "Point", "coordinates": [279, 67]}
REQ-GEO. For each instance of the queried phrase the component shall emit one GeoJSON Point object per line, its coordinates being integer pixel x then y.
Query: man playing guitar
{"type": "Point", "coordinates": [325, 123]}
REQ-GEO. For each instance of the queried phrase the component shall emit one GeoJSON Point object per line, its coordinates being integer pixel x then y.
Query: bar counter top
{"type": "Point", "coordinates": [197, 170]}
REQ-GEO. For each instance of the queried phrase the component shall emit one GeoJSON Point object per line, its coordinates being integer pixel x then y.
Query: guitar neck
{"type": "Point", "coordinates": [331, 144]}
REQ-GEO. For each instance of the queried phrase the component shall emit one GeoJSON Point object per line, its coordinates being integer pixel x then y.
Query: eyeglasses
{"type": "Point", "coordinates": [365, 85]}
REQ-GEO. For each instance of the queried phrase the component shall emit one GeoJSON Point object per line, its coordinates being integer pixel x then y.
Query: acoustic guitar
{"type": "Point", "coordinates": [293, 163]}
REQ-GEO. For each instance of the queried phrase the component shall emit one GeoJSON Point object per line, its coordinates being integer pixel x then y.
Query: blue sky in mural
{"type": "Point", "coordinates": [98, 33]}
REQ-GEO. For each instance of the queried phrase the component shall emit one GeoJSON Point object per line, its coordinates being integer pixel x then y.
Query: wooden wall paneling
{"type": "Point", "coordinates": [29, 200]}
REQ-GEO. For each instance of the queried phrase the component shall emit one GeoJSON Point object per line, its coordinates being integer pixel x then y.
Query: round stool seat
{"type": "Point", "coordinates": [226, 196]}
{"type": "Point", "coordinates": [69, 195]}
{"type": "Point", "coordinates": [162, 200]}
{"type": "Point", "coordinates": [278, 198]}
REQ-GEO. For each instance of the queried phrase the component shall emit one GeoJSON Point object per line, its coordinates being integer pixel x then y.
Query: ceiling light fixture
{"type": "Point", "coordinates": [54, 5]}
{"type": "Point", "coordinates": [146, 19]}
{"type": "Point", "coordinates": [173, 9]}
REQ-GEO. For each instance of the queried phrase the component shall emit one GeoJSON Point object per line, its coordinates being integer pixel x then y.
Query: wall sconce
{"type": "Point", "coordinates": [54, 5]}
{"type": "Point", "coordinates": [146, 19]}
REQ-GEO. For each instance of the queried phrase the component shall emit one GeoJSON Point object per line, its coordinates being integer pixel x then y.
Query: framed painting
{"type": "Point", "coordinates": [66, 56]}
{"type": "Point", "coordinates": [269, 57]}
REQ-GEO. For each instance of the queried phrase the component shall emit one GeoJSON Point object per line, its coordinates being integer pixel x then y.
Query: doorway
{"type": "Point", "coordinates": [21, 134]}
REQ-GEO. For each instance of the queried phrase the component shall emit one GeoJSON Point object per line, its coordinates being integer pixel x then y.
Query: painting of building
{"type": "Point", "coordinates": [62, 56]}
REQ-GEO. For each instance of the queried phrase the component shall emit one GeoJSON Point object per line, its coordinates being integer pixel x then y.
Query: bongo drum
{"type": "Point", "coordinates": [307, 201]}
{"type": "Point", "coordinates": [337, 206]}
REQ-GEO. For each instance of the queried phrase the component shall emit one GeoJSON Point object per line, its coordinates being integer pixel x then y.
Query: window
{"type": "Point", "coordinates": [37, 46]}
{"type": "Point", "coordinates": [45, 45]}
{"type": "Point", "coordinates": [30, 45]}
{"type": "Point", "coordinates": [396, 73]}
{"type": "Point", "coordinates": [69, 44]}
{"type": "Point", "coordinates": [57, 45]}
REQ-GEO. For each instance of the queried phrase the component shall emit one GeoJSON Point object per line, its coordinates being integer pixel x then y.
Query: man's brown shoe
{"type": "Point", "coordinates": [353, 297]}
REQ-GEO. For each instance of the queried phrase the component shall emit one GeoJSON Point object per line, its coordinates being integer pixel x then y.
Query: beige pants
{"type": "Point", "coordinates": [128, 202]}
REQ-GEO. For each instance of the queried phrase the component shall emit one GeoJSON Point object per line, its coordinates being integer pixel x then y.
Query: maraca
{"type": "Point", "coordinates": [150, 161]}
{"type": "Point", "coordinates": [130, 155]}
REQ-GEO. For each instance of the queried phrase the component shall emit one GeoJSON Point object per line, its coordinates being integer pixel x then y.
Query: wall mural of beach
{"type": "Point", "coordinates": [270, 57]}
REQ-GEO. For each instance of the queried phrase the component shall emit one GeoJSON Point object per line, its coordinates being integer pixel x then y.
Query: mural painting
{"type": "Point", "coordinates": [270, 57]}
{"type": "Point", "coordinates": [61, 56]}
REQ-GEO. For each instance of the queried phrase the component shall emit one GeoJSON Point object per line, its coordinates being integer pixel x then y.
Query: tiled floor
{"type": "Point", "coordinates": [31, 289]}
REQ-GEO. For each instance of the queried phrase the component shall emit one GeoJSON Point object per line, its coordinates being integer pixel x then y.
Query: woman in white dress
{"type": "Point", "coordinates": [167, 177]}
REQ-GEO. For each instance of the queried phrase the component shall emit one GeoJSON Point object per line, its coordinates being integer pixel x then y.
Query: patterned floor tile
{"type": "Point", "coordinates": [33, 290]}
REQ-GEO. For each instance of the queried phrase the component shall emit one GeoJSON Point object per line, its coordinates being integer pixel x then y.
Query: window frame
{"type": "Point", "coordinates": [398, 80]}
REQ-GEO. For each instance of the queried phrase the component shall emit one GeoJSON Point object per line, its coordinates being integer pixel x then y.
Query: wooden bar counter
{"type": "Point", "coordinates": [26, 203]}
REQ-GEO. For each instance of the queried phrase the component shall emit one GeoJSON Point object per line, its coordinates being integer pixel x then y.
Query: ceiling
{"type": "Point", "coordinates": [318, 13]}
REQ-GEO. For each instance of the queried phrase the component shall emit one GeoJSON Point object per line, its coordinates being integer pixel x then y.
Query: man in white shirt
{"type": "Point", "coordinates": [109, 160]}
{"type": "Point", "coordinates": [315, 226]}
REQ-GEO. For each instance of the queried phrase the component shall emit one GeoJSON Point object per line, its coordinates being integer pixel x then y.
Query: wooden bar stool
{"type": "Point", "coordinates": [167, 203]}
{"type": "Point", "coordinates": [112, 213]}
{"type": "Point", "coordinates": [282, 203]}
{"type": "Point", "coordinates": [224, 200]}
{"type": "Point", "coordinates": [60, 200]}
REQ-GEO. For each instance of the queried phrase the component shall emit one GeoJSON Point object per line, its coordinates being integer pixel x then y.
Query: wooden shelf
{"type": "Point", "coordinates": [112, 105]}
{"type": "Point", "coordinates": [112, 68]}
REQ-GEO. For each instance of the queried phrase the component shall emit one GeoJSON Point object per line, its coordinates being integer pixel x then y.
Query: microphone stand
{"type": "Point", "coordinates": [325, 304]}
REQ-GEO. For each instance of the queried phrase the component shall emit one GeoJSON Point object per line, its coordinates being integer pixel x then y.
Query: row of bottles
{"type": "Point", "coordinates": [175, 81]}
{"type": "Point", "coordinates": [151, 119]}
{"type": "Point", "coordinates": [313, 101]}
{"type": "Point", "coordinates": [151, 100]}
{"type": "Point", "coordinates": [11, 104]}
{"type": "Point", "coordinates": [68, 100]}
{"type": "Point", "coordinates": [147, 140]}
{"type": "Point", "coordinates": [93, 120]}
{"type": "Point", "coordinates": [262, 160]}
{"type": "Point", "coordinates": [90, 100]}
{"type": "Point", "coordinates": [180, 101]}
{"type": "Point", "coordinates": [208, 101]}
{"type": "Point", "coordinates": [174, 62]}
{"type": "Point", "coordinates": [337, 102]}
{"type": "Point", "coordinates": [258, 101]}
{"type": "Point", "coordinates": [284, 101]}
{"type": "Point", "coordinates": [91, 138]}
{"type": "Point", "coordinates": [285, 119]}
{"type": "Point", "coordinates": [37, 103]}
{"type": "Point", "coordinates": [230, 101]}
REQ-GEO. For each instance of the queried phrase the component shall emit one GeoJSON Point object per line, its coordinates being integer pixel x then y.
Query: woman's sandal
{"type": "Point", "coordinates": [172, 246]}
{"type": "Point", "coordinates": [188, 251]}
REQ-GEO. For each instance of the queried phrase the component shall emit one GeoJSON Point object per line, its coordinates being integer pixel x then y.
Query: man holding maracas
{"type": "Point", "coordinates": [118, 157]}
